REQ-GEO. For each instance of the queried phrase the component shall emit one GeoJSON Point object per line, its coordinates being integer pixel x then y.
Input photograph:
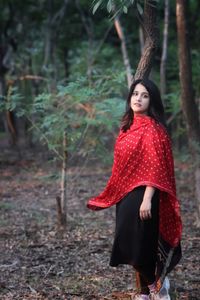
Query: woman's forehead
{"type": "Point", "coordinates": [140, 88]}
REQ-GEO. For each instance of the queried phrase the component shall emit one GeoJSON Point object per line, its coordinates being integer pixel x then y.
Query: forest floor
{"type": "Point", "coordinates": [38, 261]}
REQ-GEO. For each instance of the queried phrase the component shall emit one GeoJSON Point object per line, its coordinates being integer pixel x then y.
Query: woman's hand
{"type": "Point", "coordinates": [145, 209]}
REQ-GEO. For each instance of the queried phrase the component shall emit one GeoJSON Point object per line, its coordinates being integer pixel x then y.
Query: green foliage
{"type": "Point", "coordinates": [83, 76]}
{"type": "Point", "coordinates": [101, 64]}
{"type": "Point", "coordinates": [96, 5]}
{"type": "Point", "coordinates": [79, 110]}
{"type": "Point", "coordinates": [172, 101]}
{"type": "Point", "coordinates": [14, 101]}
{"type": "Point", "coordinates": [82, 111]}
{"type": "Point", "coordinates": [120, 5]}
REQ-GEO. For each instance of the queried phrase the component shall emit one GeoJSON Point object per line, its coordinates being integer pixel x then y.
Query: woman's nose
{"type": "Point", "coordinates": [139, 98]}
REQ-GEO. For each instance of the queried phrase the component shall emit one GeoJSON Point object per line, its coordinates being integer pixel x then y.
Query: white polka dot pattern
{"type": "Point", "coordinates": [143, 156]}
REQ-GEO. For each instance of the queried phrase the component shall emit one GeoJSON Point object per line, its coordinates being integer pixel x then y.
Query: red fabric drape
{"type": "Point", "coordinates": [143, 156]}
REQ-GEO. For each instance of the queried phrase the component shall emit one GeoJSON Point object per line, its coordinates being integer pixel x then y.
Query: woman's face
{"type": "Point", "coordinates": [140, 100]}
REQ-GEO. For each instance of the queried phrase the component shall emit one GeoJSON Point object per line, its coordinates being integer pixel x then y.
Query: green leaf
{"type": "Point", "coordinates": [125, 9]}
{"type": "Point", "coordinates": [21, 112]}
{"type": "Point", "coordinates": [2, 106]}
{"type": "Point", "coordinates": [96, 6]}
{"type": "Point", "coordinates": [139, 8]}
{"type": "Point", "coordinates": [109, 6]}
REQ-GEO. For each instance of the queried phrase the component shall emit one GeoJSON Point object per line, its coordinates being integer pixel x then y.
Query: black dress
{"type": "Point", "coordinates": [136, 241]}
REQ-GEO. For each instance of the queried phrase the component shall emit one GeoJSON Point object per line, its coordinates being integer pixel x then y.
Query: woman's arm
{"type": "Point", "coordinates": [145, 208]}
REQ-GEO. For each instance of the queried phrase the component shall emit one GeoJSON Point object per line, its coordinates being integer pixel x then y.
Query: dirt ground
{"type": "Point", "coordinates": [37, 261]}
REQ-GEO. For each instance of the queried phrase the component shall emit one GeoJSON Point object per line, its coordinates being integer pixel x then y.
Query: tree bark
{"type": "Point", "coordinates": [164, 51]}
{"type": "Point", "coordinates": [189, 106]}
{"type": "Point", "coordinates": [64, 181]}
{"type": "Point", "coordinates": [125, 56]}
{"type": "Point", "coordinates": [52, 31]}
{"type": "Point", "coordinates": [151, 33]}
{"type": "Point", "coordinates": [5, 58]}
{"type": "Point", "coordinates": [141, 38]}
{"type": "Point", "coordinates": [88, 25]}
{"type": "Point", "coordinates": [197, 190]}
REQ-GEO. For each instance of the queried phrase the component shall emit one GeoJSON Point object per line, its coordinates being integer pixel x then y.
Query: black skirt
{"type": "Point", "coordinates": [135, 241]}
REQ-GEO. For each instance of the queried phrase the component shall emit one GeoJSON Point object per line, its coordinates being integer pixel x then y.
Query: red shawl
{"type": "Point", "coordinates": [143, 156]}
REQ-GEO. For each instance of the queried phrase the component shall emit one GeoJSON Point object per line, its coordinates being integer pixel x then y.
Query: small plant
{"type": "Point", "coordinates": [71, 121]}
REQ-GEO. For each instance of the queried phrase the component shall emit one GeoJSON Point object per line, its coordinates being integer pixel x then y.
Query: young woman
{"type": "Point", "coordinates": [142, 185]}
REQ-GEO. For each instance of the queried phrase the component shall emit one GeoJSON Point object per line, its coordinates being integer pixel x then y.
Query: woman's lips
{"type": "Point", "coordinates": [138, 104]}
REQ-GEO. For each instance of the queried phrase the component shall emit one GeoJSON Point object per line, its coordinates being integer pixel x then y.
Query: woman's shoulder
{"type": "Point", "coordinates": [158, 130]}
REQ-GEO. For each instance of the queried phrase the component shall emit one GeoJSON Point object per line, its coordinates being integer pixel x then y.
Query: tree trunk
{"type": "Point", "coordinates": [151, 33]}
{"type": "Point", "coordinates": [88, 25]}
{"type": "Point", "coordinates": [141, 38]}
{"type": "Point", "coordinates": [9, 139]}
{"type": "Point", "coordinates": [48, 46]}
{"type": "Point", "coordinates": [121, 36]}
{"type": "Point", "coordinates": [197, 189]}
{"type": "Point", "coordinates": [5, 56]}
{"type": "Point", "coordinates": [52, 32]}
{"type": "Point", "coordinates": [64, 181]}
{"type": "Point", "coordinates": [189, 106]}
{"type": "Point", "coordinates": [164, 51]}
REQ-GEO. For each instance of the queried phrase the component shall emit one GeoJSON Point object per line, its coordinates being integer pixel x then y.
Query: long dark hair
{"type": "Point", "coordinates": [156, 108]}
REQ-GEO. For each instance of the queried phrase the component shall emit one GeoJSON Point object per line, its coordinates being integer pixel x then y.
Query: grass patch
{"type": "Point", "coordinates": [6, 206]}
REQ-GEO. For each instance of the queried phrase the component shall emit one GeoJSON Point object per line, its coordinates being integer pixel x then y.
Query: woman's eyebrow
{"type": "Point", "coordinates": [142, 92]}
